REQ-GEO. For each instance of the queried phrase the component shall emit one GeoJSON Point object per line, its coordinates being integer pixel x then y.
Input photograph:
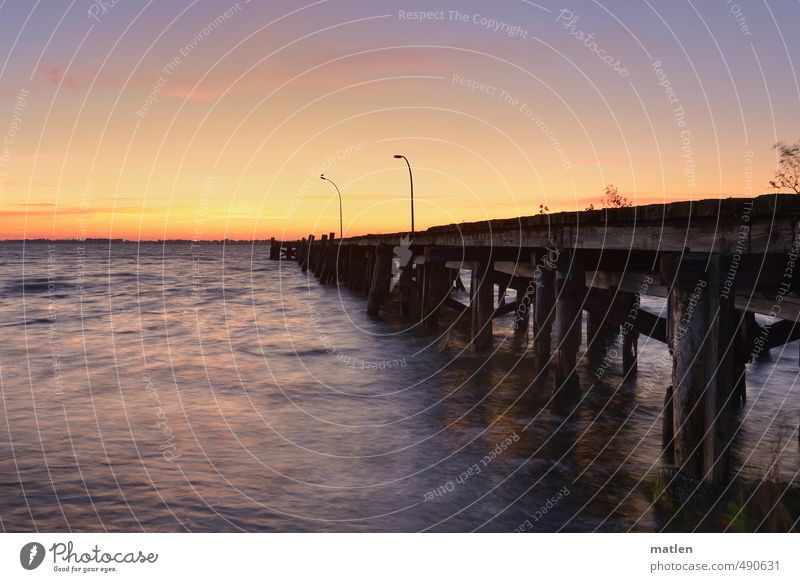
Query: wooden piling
{"type": "Point", "coordinates": [741, 358]}
{"type": "Point", "coordinates": [630, 335]}
{"type": "Point", "coordinates": [688, 322]}
{"type": "Point", "coordinates": [544, 312]}
{"type": "Point", "coordinates": [571, 283]}
{"type": "Point", "coordinates": [327, 269]}
{"type": "Point", "coordinates": [667, 428]}
{"type": "Point", "coordinates": [436, 289]}
{"type": "Point", "coordinates": [702, 326]}
{"type": "Point", "coordinates": [598, 327]}
{"type": "Point", "coordinates": [720, 381]}
{"type": "Point", "coordinates": [319, 255]}
{"type": "Point", "coordinates": [381, 279]}
{"type": "Point", "coordinates": [300, 253]}
{"type": "Point", "coordinates": [481, 302]}
{"type": "Point", "coordinates": [406, 284]}
{"type": "Point", "coordinates": [309, 255]}
{"type": "Point", "coordinates": [369, 268]}
{"type": "Point", "coordinates": [523, 307]}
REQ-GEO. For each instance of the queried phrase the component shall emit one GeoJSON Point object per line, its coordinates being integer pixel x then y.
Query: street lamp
{"type": "Point", "coordinates": [341, 230]}
{"type": "Point", "coordinates": [411, 179]}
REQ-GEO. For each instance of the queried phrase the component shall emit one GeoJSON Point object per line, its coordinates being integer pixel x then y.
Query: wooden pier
{"type": "Point", "coordinates": [717, 262]}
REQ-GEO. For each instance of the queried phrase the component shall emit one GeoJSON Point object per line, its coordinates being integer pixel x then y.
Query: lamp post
{"type": "Point", "coordinates": [341, 230]}
{"type": "Point", "coordinates": [411, 180]}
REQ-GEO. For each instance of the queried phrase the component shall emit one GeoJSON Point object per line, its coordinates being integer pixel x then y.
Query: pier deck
{"type": "Point", "coordinates": [717, 262]}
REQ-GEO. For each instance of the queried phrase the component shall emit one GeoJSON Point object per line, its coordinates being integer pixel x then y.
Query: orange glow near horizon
{"type": "Point", "coordinates": [227, 138]}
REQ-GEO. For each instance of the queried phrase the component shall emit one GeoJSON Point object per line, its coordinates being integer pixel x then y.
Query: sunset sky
{"type": "Point", "coordinates": [213, 119]}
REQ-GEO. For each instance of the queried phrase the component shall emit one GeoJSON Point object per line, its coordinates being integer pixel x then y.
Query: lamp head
{"type": "Point", "coordinates": [398, 157]}
{"type": "Point", "coordinates": [322, 176]}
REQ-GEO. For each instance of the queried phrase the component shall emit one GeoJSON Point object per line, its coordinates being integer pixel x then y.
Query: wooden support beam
{"type": "Point", "coordinates": [524, 270]}
{"type": "Point", "coordinates": [782, 332]}
{"type": "Point", "coordinates": [381, 279]}
{"type": "Point", "coordinates": [688, 323]}
{"type": "Point", "coordinates": [307, 261]}
{"type": "Point", "coordinates": [788, 307]}
{"type": "Point", "coordinates": [458, 284]}
{"type": "Point", "coordinates": [327, 268]}
{"type": "Point", "coordinates": [611, 307]}
{"type": "Point", "coordinates": [350, 266]}
{"type": "Point", "coordinates": [319, 259]}
{"type": "Point", "coordinates": [437, 288]}
{"type": "Point", "coordinates": [720, 381]}
{"type": "Point", "coordinates": [630, 334]}
{"type": "Point", "coordinates": [522, 310]}
{"type": "Point", "coordinates": [702, 329]}
{"type": "Point", "coordinates": [544, 312]}
{"type": "Point", "coordinates": [568, 324]}
{"type": "Point", "coordinates": [505, 281]}
{"type": "Point", "coordinates": [369, 271]}
{"type": "Point", "coordinates": [482, 304]}
{"type": "Point", "coordinates": [667, 428]}
{"type": "Point", "coordinates": [406, 285]}
{"type": "Point", "coordinates": [642, 283]}
{"type": "Point", "coordinates": [455, 305]}
{"type": "Point", "coordinates": [458, 265]}
{"type": "Point", "coordinates": [598, 324]}
{"type": "Point", "coordinates": [504, 309]}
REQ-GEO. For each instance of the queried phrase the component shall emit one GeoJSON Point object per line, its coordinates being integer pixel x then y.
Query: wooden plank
{"type": "Point", "coordinates": [788, 306]}
{"type": "Point", "coordinates": [525, 270]}
{"type": "Point", "coordinates": [640, 283]}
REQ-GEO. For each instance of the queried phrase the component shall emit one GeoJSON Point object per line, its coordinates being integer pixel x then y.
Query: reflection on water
{"type": "Point", "coordinates": [165, 388]}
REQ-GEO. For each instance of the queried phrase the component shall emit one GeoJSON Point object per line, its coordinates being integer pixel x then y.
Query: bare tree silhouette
{"type": "Point", "coordinates": [788, 173]}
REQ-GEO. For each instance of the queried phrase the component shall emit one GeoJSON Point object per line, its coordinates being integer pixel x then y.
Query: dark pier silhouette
{"type": "Point", "coordinates": [717, 262]}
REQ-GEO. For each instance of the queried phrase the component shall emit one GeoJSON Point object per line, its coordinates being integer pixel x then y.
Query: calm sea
{"type": "Point", "coordinates": [178, 388]}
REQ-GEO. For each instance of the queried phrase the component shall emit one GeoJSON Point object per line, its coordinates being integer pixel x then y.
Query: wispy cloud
{"type": "Point", "coordinates": [57, 75]}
